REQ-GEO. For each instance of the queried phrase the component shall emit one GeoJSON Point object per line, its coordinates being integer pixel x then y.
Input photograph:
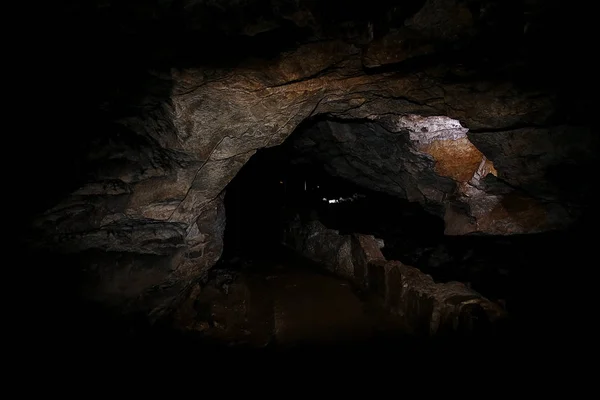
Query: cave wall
{"type": "Point", "coordinates": [423, 306]}
{"type": "Point", "coordinates": [157, 185]}
{"type": "Point", "coordinates": [431, 160]}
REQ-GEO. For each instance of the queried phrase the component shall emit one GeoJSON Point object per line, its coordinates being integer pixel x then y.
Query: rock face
{"type": "Point", "coordinates": [430, 308]}
{"type": "Point", "coordinates": [159, 170]}
{"type": "Point", "coordinates": [432, 161]}
{"type": "Point", "coordinates": [346, 256]}
{"type": "Point", "coordinates": [424, 307]}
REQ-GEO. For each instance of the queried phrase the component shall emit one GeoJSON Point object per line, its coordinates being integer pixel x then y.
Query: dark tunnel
{"type": "Point", "coordinates": [279, 184]}
{"type": "Point", "coordinates": [395, 180]}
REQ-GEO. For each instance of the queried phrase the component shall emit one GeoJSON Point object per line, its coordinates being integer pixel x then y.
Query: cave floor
{"type": "Point", "coordinates": [285, 302]}
{"type": "Point", "coordinates": [285, 305]}
{"type": "Point", "coordinates": [279, 305]}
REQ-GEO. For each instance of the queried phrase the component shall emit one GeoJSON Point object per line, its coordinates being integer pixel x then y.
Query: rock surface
{"type": "Point", "coordinates": [423, 306]}
{"type": "Point", "coordinates": [346, 256]}
{"type": "Point", "coordinates": [432, 161]}
{"type": "Point", "coordinates": [211, 126]}
{"type": "Point", "coordinates": [430, 308]}
{"type": "Point", "coordinates": [174, 134]}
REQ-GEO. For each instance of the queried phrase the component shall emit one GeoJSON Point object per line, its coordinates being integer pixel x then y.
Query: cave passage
{"type": "Point", "coordinates": [311, 304]}
{"type": "Point", "coordinates": [433, 173]}
{"type": "Point", "coordinates": [278, 183]}
{"type": "Point", "coordinates": [274, 187]}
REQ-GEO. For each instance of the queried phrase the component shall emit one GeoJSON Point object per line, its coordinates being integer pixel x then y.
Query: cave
{"type": "Point", "coordinates": [273, 177]}
{"type": "Point", "coordinates": [280, 183]}
{"type": "Point", "coordinates": [293, 183]}
{"type": "Point", "coordinates": [283, 183]}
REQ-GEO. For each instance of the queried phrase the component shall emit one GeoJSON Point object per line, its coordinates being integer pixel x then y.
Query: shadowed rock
{"type": "Point", "coordinates": [156, 182]}
{"type": "Point", "coordinates": [423, 306]}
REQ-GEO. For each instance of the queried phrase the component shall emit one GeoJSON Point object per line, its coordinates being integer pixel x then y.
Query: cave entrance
{"type": "Point", "coordinates": [279, 184]}
{"type": "Point", "coordinates": [327, 174]}
{"type": "Point", "coordinates": [354, 176]}
{"type": "Point", "coordinates": [270, 289]}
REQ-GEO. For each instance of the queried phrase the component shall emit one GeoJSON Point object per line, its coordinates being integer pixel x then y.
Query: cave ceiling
{"type": "Point", "coordinates": [476, 109]}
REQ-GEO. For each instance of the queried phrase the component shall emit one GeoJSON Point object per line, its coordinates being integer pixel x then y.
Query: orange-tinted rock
{"type": "Point", "coordinates": [457, 159]}
{"type": "Point", "coordinates": [184, 134]}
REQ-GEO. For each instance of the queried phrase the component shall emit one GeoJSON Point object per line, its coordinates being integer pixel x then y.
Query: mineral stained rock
{"type": "Point", "coordinates": [417, 100]}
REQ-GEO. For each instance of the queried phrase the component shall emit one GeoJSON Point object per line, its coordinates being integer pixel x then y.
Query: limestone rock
{"type": "Point", "coordinates": [161, 144]}
{"type": "Point", "coordinates": [432, 161]}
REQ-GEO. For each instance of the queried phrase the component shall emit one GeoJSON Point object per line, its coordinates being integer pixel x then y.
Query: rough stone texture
{"type": "Point", "coordinates": [431, 308]}
{"type": "Point", "coordinates": [216, 119]}
{"type": "Point", "coordinates": [156, 180]}
{"type": "Point", "coordinates": [432, 161]}
{"type": "Point", "coordinates": [365, 248]}
{"type": "Point", "coordinates": [424, 307]}
{"type": "Point", "coordinates": [344, 255]}
{"type": "Point", "coordinates": [550, 162]}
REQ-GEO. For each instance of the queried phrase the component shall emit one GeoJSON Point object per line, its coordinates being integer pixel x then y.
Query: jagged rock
{"type": "Point", "coordinates": [184, 132]}
{"type": "Point", "coordinates": [550, 162]}
{"type": "Point", "coordinates": [427, 308]}
{"type": "Point", "coordinates": [344, 255]}
{"type": "Point", "coordinates": [432, 161]}
{"type": "Point", "coordinates": [365, 248]}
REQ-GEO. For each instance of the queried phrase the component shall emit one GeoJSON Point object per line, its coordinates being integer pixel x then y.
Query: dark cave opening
{"type": "Point", "coordinates": [276, 184]}
{"type": "Point", "coordinates": [90, 285]}
{"type": "Point", "coordinates": [519, 271]}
